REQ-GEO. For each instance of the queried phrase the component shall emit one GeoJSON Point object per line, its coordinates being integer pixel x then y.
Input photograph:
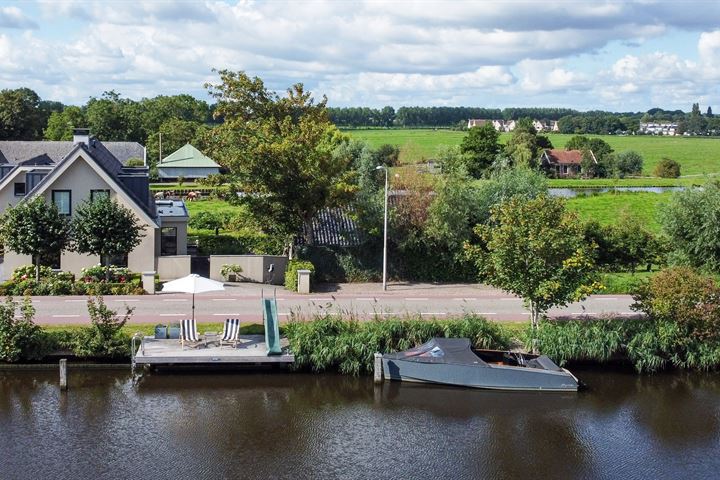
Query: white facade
{"type": "Point", "coordinates": [509, 125]}
{"type": "Point", "coordinates": [652, 128]}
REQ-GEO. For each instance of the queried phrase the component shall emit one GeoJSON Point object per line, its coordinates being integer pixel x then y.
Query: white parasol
{"type": "Point", "coordinates": [193, 284]}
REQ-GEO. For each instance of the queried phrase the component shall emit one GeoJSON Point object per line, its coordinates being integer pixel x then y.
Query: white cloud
{"type": "Point", "coordinates": [549, 76]}
{"type": "Point", "coordinates": [366, 52]}
{"type": "Point", "coordinates": [12, 17]}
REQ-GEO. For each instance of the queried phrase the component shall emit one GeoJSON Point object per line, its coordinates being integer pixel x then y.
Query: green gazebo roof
{"type": "Point", "coordinates": [187, 156]}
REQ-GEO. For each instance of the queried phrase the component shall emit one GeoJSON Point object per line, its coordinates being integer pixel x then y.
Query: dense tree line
{"type": "Point", "coordinates": [110, 117]}
{"type": "Point", "coordinates": [434, 116]}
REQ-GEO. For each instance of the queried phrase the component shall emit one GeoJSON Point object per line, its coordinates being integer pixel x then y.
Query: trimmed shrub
{"type": "Point", "coordinates": [291, 273]}
{"type": "Point", "coordinates": [667, 168]}
{"type": "Point", "coordinates": [628, 162]}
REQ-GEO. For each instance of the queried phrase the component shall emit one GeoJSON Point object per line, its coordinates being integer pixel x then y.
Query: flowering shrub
{"type": "Point", "coordinates": [91, 282]}
{"type": "Point", "coordinates": [25, 272]}
{"type": "Point", "coordinates": [100, 273]}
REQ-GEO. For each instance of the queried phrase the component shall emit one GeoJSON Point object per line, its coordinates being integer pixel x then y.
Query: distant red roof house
{"type": "Point", "coordinates": [563, 163]}
{"type": "Point", "coordinates": [477, 122]}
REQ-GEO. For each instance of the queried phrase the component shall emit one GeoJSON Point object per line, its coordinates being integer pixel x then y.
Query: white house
{"type": "Point", "coordinates": [659, 128]}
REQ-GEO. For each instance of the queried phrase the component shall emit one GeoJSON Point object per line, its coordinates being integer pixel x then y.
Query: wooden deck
{"type": "Point", "coordinates": [251, 350]}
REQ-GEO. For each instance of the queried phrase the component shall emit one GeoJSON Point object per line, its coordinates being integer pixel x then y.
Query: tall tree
{"type": "Point", "coordinates": [692, 221]}
{"type": "Point", "coordinates": [112, 118]}
{"type": "Point", "coordinates": [61, 124]}
{"type": "Point", "coordinates": [480, 147]}
{"type": "Point", "coordinates": [535, 249]}
{"type": "Point", "coordinates": [280, 152]}
{"type": "Point", "coordinates": [104, 227]}
{"type": "Point", "coordinates": [525, 146]}
{"type": "Point", "coordinates": [35, 228]}
{"type": "Point", "coordinates": [20, 115]}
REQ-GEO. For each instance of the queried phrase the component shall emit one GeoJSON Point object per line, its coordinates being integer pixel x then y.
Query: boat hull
{"type": "Point", "coordinates": [492, 377]}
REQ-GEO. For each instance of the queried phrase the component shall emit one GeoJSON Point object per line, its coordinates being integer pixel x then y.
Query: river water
{"type": "Point", "coordinates": [302, 426]}
{"type": "Point", "coordinates": [584, 192]}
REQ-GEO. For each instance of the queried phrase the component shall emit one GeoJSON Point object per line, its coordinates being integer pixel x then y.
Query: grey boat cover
{"type": "Point", "coordinates": [440, 350]}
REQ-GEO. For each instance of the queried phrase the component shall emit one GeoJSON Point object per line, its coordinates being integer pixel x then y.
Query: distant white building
{"type": "Point", "coordinates": [509, 125]}
{"type": "Point", "coordinates": [652, 128]}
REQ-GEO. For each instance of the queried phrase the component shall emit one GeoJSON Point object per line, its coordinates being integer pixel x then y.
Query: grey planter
{"type": "Point", "coordinates": [160, 331]}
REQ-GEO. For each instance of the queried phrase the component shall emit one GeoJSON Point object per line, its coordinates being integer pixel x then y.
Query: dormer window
{"type": "Point", "coordinates": [19, 189]}
{"type": "Point", "coordinates": [62, 200]}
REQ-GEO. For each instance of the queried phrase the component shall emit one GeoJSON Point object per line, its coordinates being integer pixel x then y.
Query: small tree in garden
{"type": "Point", "coordinates": [104, 337]}
{"type": "Point", "coordinates": [35, 228]}
{"type": "Point", "coordinates": [106, 228]}
{"type": "Point", "coordinates": [537, 250]}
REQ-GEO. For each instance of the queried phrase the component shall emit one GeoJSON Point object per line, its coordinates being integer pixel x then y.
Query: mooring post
{"type": "Point", "coordinates": [378, 377]}
{"type": "Point", "coordinates": [63, 374]}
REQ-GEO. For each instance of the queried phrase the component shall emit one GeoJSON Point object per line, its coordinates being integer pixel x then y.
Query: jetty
{"type": "Point", "coordinates": [251, 350]}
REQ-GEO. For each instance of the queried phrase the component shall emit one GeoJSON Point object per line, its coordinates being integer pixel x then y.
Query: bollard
{"type": "Point", "coordinates": [148, 282]}
{"type": "Point", "coordinates": [378, 377]}
{"type": "Point", "coordinates": [303, 281]}
{"type": "Point", "coordinates": [63, 374]}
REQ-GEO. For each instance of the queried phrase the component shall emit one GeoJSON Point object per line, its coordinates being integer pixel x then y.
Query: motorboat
{"type": "Point", "coordinates": [453, 361]}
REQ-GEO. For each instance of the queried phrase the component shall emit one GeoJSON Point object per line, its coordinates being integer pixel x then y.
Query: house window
{"type": "Point", "coordinates": [565, 169]}
{"type": "Point", "coordinates": [19, 189]}
{"type": "Point", "coordinates": [168, 241]}
{"type": "Point", "coordinates": [51, 260]}
{"type": "Point", "coordinates": [115, 260]}
{"type": "Point", "coordinates": [98, 194]}
{"type": "Point", "coordinates": [61, 199]}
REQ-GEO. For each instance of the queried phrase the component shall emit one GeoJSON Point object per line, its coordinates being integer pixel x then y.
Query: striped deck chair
{"type": "Point", "coordinates": [231, 332]}
{"type": "Point", "coordinates": [189, 334]}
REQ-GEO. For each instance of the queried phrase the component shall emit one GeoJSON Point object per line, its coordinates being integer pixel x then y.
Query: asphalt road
{"type": "Point", "coordinates": [244, 303]}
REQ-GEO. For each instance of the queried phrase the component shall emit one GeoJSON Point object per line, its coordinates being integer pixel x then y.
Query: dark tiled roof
{"type": "Point", "coordinates": [135, 185]}
{"type": "Point", "coordinates": [334, 226]}
{"type": "Point", "coordinates": [15, 152]}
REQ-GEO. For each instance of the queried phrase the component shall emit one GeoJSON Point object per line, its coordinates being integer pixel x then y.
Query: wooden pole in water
{"type": "Point", "coordinates": [63, 374]}
{"type": "Point", "coordinates": [378, 373]}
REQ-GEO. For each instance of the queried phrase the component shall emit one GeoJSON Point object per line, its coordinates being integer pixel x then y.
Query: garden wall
{"type": "Point", "coordinates": [254, 267]}
{"type": "Point", "coordinates": [172, 267]}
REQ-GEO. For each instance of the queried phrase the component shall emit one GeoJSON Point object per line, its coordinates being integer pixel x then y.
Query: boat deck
{"type": "Point", "coordinates": [250, 351]}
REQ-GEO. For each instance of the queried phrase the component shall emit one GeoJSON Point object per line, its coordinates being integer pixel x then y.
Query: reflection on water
{"type": "Point", "coordinates": [583, 192]}
{"type": "Point", "coordinates": [328, 426]}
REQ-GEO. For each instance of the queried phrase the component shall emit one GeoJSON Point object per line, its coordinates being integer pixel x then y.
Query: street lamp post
{"type": "Point", "coordinates": [385, 229]}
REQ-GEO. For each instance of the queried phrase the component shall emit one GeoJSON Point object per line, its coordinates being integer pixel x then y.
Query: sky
{"type": "Point", "coordinates": [610, 55]}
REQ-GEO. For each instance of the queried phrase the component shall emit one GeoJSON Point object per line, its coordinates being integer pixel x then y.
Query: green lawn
{"type": "Point", "coordinates": [607, 207]}
{"type": "Point", "coordinates": [212, 206]}
{"type": "Point", "coordinates": [696, 155]}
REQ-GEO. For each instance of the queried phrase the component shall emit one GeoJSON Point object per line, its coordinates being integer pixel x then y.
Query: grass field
{"type": "Point", "coordinates": [607, 208]}
{"type": "Point", "coordinates": [212, 206]}
{"type": "Point", "coordinates": [696, 155]}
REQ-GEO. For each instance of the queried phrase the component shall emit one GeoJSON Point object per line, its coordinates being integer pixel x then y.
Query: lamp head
{"type": "Point", "coordinates": [380, 167]}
